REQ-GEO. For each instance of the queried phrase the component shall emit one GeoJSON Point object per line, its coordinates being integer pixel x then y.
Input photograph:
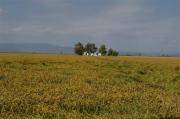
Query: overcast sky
{"type": "Point", "coordinates": [126, 25]}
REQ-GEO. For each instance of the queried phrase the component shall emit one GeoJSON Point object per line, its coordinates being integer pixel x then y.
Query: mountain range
{"type": "Point", "coordinates": [34, 47]}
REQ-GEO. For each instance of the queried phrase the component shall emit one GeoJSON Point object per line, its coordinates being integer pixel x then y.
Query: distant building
{"type": "Point", "coordinates": [92, 54]}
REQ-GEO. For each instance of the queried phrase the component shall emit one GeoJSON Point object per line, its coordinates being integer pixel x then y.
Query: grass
{"type": "Point", "coordinates": [67, 86]}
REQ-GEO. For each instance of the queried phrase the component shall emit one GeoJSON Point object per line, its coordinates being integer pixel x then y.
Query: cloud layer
{"type": "Point", "coordinates": [1, 11]}
{"type": "Point", "coordinates": [127, 25]}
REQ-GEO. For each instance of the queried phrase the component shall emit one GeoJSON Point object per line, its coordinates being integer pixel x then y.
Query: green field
{"type": "Point", "coordinates": [52, 86]}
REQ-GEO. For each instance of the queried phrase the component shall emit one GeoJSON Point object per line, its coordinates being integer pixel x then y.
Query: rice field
{"type": "Point", "coordinates": [53, 86]}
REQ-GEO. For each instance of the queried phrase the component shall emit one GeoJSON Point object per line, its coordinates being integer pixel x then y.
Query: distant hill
{"type": "Point", "coordinates": [34, 47]}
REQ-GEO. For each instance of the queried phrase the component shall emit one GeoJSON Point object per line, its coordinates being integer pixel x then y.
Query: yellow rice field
{"type": "Point", "coordinates": [48, 86]}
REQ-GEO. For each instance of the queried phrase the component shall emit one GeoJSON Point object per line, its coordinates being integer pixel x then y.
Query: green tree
{"type": "Point", "coordinates": [79, 48]}
{"type": "Point", "coordinates": [90, 48]}
{"type": "Point", "coordinates": [115, 53]}
{"type": "Point", "coordinates": [103, 50]}
{"type": "Point", "coordinates": [112, 52]}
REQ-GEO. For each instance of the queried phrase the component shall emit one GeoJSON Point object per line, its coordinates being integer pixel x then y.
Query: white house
{"type": "Point", "coordinates": [85, 53]}
{"type": "Point", "coordinates": [99, 54]}
{"type": "Point", "coordinates": [92, 54]}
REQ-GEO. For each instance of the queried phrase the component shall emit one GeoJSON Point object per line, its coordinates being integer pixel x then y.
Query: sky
{"type": "Point", "coordinates": [147, 26]}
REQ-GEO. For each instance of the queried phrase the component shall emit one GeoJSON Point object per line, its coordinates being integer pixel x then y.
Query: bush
{"type": "Point", "coordinates": [112, 52]}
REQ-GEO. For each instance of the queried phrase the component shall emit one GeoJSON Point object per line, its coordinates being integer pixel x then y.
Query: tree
{"type": "Point", "coordinates": [90, 48]}
{"type": "Point", "coordinates": [103, 50]}
{"type": "Point", "coordinates": [115, 53]}
{"type": "Point", "coordinates": [78, 48]}
{"type": "Point", "coordinates": [112, 52]}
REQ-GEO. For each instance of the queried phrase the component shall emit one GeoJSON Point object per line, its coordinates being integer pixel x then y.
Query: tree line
{"type": "Point", "coordinates": [79, 49]}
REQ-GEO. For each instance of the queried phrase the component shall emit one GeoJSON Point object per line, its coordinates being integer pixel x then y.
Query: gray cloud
{"type": "Point", "coordinates": [125, 25]}
{"type": "Point", "coordinates": [1, 11]}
